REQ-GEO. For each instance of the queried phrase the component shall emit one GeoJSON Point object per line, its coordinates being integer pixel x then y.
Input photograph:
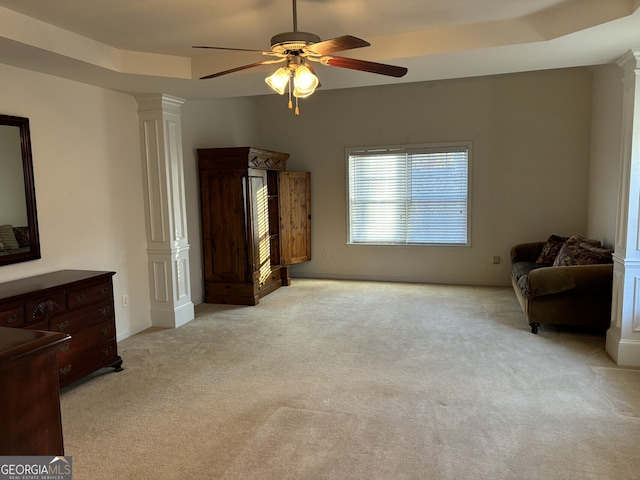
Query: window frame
{"type": "Point", "coordinates": [409, 148]}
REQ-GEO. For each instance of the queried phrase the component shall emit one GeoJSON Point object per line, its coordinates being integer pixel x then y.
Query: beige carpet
{"type": "Point", "coordinates": [359, 380]}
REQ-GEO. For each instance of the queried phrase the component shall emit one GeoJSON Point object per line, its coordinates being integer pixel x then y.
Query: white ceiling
{"type": "Point", "coordinates": [144, 46]}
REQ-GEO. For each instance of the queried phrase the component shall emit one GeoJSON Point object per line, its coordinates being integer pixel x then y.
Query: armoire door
{"type": "Point", "coordinates": [225, 235]}
{"type": "Point", "coordinates": [295, 216]}
{"type": "Point", "coordinates": [258, 206]}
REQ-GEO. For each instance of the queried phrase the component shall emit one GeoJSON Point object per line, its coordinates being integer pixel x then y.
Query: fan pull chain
{"type": "Point", "coordinates": [297, 109]}
{"type": "Point", "coordinates": [290, 105]}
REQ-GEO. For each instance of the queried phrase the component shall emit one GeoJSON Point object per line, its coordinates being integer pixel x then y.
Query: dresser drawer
{"type": "Point", "coordinates": [12, 315]}
{"type": "Point", "coordinates": [87, 338]}
{"type": "Point", "coordinates": [76, 366]}
{"type": "Point", "coordinates": [43, 307]}
{"type": "Point", "coordinates": [81, 296]}
{"type": "Point", "coordinates": [77, 320]}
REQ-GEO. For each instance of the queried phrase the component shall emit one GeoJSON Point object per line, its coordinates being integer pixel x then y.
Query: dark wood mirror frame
{"type": "Point", "coordinates": [29, 189]}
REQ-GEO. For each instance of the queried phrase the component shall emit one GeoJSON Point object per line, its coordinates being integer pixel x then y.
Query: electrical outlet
{"type": "Point", "coordinates": [325, 255]}
{"type": "Point", "coordinates": [125, 301]}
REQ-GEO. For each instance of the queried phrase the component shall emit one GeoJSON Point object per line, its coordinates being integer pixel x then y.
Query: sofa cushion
{"type": "Point", "coordinates": [522, 269]}
{"type": "Point", "coordinates": [580, 251]}
{"type": "Point", "coordinates": [550, 249]}
{"type": "Point", "coordinates": [535, 280]}
{"type": "Point", "coordinates": [520, 272]}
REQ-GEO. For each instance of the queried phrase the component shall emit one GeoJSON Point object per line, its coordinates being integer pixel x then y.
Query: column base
{"type": "Point", "coordinates": [173, 318]}
{"type": "Point", "coordinates": [624, 352]}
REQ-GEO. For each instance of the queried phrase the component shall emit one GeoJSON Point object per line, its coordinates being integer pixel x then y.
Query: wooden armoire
{"type": "Point", "coordinates": [256, 221]}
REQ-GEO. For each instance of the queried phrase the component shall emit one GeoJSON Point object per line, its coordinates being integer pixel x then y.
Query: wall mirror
{"type": "Point", "coordinates": [19, 237]}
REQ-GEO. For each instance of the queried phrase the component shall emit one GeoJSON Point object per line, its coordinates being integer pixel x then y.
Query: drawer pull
{"type": "Point", "coordinates": [10, 319]}
{"type": "Point", "coordinates": [104, 291]}
{"type": "Point", "coordinates": [106, 331]}
{"type": "Point", "coordinates": [79, 298]}
{"type": "Point", "coordinates": [105, 311]}
{"type": "Point", "coordinates": [62, 326]}
{"type": "Point", "coordinates": [64, 371]}
{"type": "Point", "coordinates": [107, 351]}
{"type": "Point", "coordinates": [63, 348]}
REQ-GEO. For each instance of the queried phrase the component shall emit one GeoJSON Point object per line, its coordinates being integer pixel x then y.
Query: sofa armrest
{"type": "Point", "coordinates": [526, 252]}
{"type": "Point", "coordinates": [579, 279]}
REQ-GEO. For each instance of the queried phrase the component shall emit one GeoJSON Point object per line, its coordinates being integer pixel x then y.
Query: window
{"type": "Point", "coordinates": [411, 195]}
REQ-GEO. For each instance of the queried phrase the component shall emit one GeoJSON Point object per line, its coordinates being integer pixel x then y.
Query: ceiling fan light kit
{"type": "Point", "coordinates": [295, 48]}
{"type": "Point", "coordinates": [279, 80]}
{"type": "Point", "coordinates": [304, 82]}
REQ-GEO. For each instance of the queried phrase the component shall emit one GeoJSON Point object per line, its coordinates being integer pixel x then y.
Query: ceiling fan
{"type": "Point", "coordinates": [296, 50]}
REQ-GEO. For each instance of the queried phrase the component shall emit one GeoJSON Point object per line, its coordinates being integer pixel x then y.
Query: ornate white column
{"type": "Point", "coordinates": [167, 242]}
{"type": "Point", "coordinates": [623, 337]}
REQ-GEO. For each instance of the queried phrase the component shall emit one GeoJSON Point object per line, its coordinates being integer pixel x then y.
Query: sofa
{"type": "Point", "coordinates": [563, 281]}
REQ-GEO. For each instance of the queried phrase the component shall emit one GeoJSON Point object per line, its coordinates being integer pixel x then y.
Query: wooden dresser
{"type": "Point", "coordinates": [30, 399]}
{"type": "Point", "coordinates": [75, 302]}
{"type": "Point", "coordinates": [256, 222]}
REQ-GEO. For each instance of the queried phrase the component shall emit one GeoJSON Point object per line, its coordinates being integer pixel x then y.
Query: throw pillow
{"type": "Point", "coordinates": [1, 246]}
{"type": "Point", "coordinates": [8, 238]}
{"type": "Point", "coordinates": [578, 250]}
{"type": "Point", "coordinates": [588, 254]}
{"type": "Point", "coordinates": [22, 236]}
{"type": "Point", "coordinates": [550, 250]}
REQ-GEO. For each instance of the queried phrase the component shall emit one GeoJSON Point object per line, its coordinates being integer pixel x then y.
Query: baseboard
{"type": "Point", "coordinates": [386, 278]}
{"type": "Point", "coordinates": [134, 331]}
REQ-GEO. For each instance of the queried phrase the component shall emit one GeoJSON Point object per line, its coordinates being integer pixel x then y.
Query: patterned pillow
{"type": "Point", "coordinates": [580, 251]}
{"type": "Point", "coordinates": [588, 254]}
{"type": "Point", "coordinates": [8, 238]}
{"type": "Point", "coordinates": [550, 250]}
{"type": "Point", "coordinates": [22, 236]}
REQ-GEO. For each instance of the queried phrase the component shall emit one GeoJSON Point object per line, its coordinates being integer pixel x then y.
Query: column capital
{"type": "Point", "coordinates": [630, 60]}
{"type": "Point", "coordinates": [159, 101]}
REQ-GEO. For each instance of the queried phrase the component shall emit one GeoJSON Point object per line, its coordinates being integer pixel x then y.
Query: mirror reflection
{"type": "Point", "coordinates": [18, 222]}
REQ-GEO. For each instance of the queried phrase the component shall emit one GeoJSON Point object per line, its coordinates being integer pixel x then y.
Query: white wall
{"type": "Point", "coordinates": [605, 153]}
{"type": "Point", "coordinates": [88, 177]}
{"type": "Point", "coordinates": [207, 124]}
{"type": "Point", "coordinates": [531, 138]}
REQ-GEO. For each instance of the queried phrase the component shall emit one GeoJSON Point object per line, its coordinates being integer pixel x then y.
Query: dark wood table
{"type": "Point", "coordinates": [30, 419]}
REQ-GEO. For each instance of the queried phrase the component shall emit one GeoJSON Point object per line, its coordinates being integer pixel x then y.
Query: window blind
{"type": "Point", "coordinates": [409, 195]}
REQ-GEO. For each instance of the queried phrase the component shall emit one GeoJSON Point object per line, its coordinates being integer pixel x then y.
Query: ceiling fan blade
{"type": "Point", "coordinates": [237, 69]}
{"type": "Point", "coordinates": [365, 66]}
{"type": "Point", "coordinates": [346, 42]}
{"type": "Point", "coordinates": [226, 48]}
